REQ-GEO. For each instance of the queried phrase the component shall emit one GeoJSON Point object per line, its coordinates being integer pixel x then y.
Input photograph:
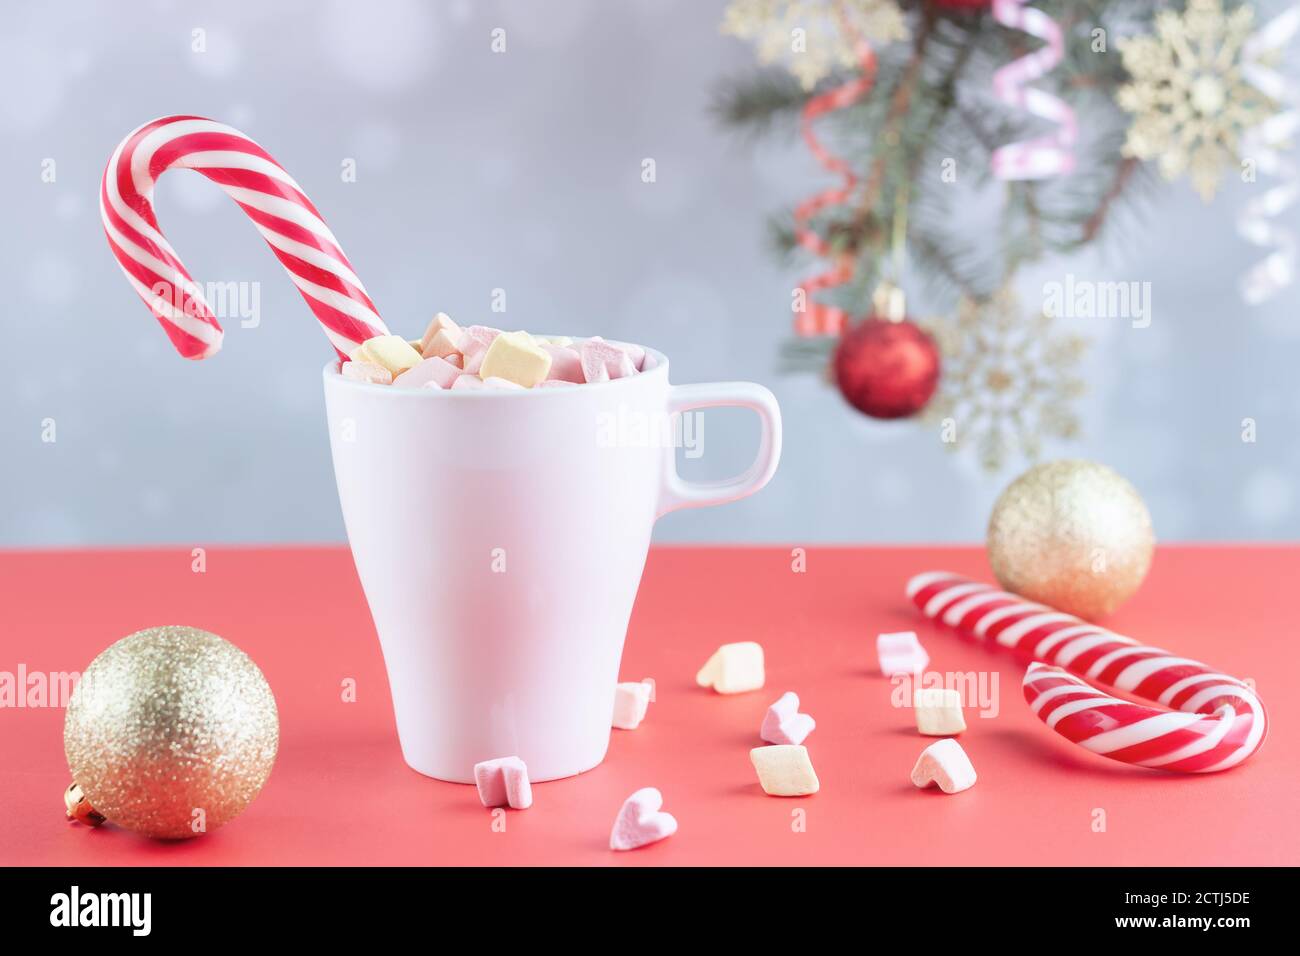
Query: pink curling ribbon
{"type": "Point", "coordinates": [818, 318]}
{"type": "Point", "coordinates": [1257, 222]}
{"type": "Point", "coordinates": [278, 207]}
{"type": "Point", "coordinates": [1204, 721]}
{"type": "Point", "coordinates": [1051, 154]}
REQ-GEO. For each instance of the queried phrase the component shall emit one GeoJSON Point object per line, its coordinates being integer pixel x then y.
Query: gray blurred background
{"type": "Point", "coordinates": [521, 171]}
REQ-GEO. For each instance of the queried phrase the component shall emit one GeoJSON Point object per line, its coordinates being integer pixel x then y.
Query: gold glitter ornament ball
{"type": "Point", "coordinates": [171, 732]}
{"type": "Point", "coordinates": [1073, 535]}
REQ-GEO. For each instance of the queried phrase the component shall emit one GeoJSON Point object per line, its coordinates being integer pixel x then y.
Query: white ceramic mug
{"type": "Point", "coordinates": [500, 537]}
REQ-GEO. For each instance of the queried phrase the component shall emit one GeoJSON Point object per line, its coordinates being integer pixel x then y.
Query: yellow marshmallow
{"type": "Point", "coordinates": [733, 668]}
{"type": "Point", "coordinates": [784, 770]}
{"type": "Point", "coordinates": [515, 357]}
{"type": "Point", "coordinates": [938, 711]}
{"type": "Point", "coordinates": [389, 351]}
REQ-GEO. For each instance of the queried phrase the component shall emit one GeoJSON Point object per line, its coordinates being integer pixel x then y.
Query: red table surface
{"type": "Point", "coordinates": [340, 793]}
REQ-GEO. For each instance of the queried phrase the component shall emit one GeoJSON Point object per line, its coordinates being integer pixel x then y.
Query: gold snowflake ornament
{"type": "Point", "coordinates": [1009, 380]}
{"type": "Point", "coordinates": [813, 38]}
{"type": "Point", "coordinates": [1188, 96]}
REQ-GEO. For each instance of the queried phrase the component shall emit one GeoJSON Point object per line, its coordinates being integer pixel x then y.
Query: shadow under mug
{"type": "Point", "coordinates": [500, 536]}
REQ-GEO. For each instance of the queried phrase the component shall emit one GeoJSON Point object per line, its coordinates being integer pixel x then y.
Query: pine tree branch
{"type": "Point", "coordinates": [760, 102]}
{"type": "Point", "coordinates": [1122, 175]}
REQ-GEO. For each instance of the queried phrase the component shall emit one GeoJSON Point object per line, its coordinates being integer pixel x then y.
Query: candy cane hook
{"type": "Point", "coordinates": [1053, 153]}
{"type": "Point", "coordinates": [276, 204]}
{"type": "Point", "coordinates": [1216, 721]}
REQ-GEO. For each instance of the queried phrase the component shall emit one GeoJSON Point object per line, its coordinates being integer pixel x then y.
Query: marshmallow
{"type": "Point", "coordinates": [900, 653]}
{"type": "Point", "coordinates": [566, 363]}
{"type": "Point", "coordinates": [602, 361]}
{"type": "Point", "coordinates": [442, 345]}
{"type": "Point", "coordinates": [524, 360]}
{"type": "Point", "coordinates": [783, 724]}
{"type": "Point", "coordinates": [631, 701]}
{"type": "Point", "coordinates": [472, 357]}
{"type": "Point", "coordinates": [434, 370]}
{"type": "Point", "coordinates": [474, 345]}
{"type": "Point", "coordinates": [640, 821]}
{"type": "Point", "coordinates": [442, 337]}
{"type": "Point", "coordinates": [784, 770]}
{"type": "Point", "coordinates": [391, 351]}
{"type": "Point", "coordinates": [515, 357]}
{"type": "Point", "coordinates": [464, 382]}
{"type": "Point", "coordinates": [946, 764]}
{"type": "Point", "coordinates": [635, 353]}
{"type": "Point", "coordinates": [938, 711]}
{"type": "Point", "coordinates": [733, 668]}
{"type": "Point", "coordinates": [366, 372]}
{"type": "Point", "coordinates": [503, 782]}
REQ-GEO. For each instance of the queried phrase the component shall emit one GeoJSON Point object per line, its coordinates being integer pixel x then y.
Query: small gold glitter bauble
{"type": "Point", "coordinates": [171, 732]}
{"type": "Point", "coordinates": [1073, 535]}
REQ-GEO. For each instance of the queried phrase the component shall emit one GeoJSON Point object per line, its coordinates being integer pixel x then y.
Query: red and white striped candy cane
{"type": "Point", "coordinates": [280, 211]}
{"type": "Point", "coordinates": [1216, 721]}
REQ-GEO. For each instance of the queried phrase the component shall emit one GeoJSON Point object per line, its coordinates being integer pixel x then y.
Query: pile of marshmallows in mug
{"type": "Point", "coordinates": [783, 766]}
{"type": "Point", "coordinates": [479, 356]}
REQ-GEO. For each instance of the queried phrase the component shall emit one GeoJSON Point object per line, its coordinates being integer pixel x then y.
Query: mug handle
{"type": "Point", "coordinates": [677, 493]}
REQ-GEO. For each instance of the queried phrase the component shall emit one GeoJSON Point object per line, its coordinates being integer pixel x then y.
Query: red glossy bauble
{"type": "Point", "coordinates": [887, 369]}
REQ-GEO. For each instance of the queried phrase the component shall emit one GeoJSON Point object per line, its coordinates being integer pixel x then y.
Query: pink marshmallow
{"type": "Point", "coordinates": [555, 383]}
{"type": "Point", "coordinates": [366, 372]}
{"type": "Point", "coordinates": [482, 333]}
{"type": "Point", "coordinates": [641, 822]}
{"type": "Point", "coordinates": [495, 381]}
{"type": "Point", "coordinates": [783, 724]}
{"type": "Point", "coordinates": [456, 359]}
{"type": "Point", "coordinates": [619, 363]}
{"type": "Point", "coordinates": [566, 363]}
{"type": "Point", "coordinates": [474, 345]}
{"type": "Point", "coordinates": [634, 352]}
{"type": "Point", "coordinates": [602, 361]}
{"type": "Point", "coordinates": [464, 382]}
{"type": "Point", "coordinates": [900, 653]}
{"type": "Point", "coordinates": [472, 357]}
{"type": "Point", "coordinates": [433, 369]}
{"type": "Point", "coordinates": [503, 782]}
{"type": "Point", "coordinates": [443, 344]}
{"type": "Point", "coordinates": [442, 337]}
{"type": "Point", "coordinates": [594, 372]}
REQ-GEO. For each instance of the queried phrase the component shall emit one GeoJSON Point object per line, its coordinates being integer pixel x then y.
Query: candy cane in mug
{"type": "Point", "coordinates": [276, 204]}
{"type": "Point", "coordinates": [1215, 723]}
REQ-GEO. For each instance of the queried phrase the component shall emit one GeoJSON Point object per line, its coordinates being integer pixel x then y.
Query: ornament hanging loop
{"type": "Point", "coordinates": [888, 302]}
{"type": "Point", "coordinates": [79, 808]}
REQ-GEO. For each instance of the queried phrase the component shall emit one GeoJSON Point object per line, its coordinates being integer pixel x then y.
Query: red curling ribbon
{"type": "Point", "coordinates": [816, 317]}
